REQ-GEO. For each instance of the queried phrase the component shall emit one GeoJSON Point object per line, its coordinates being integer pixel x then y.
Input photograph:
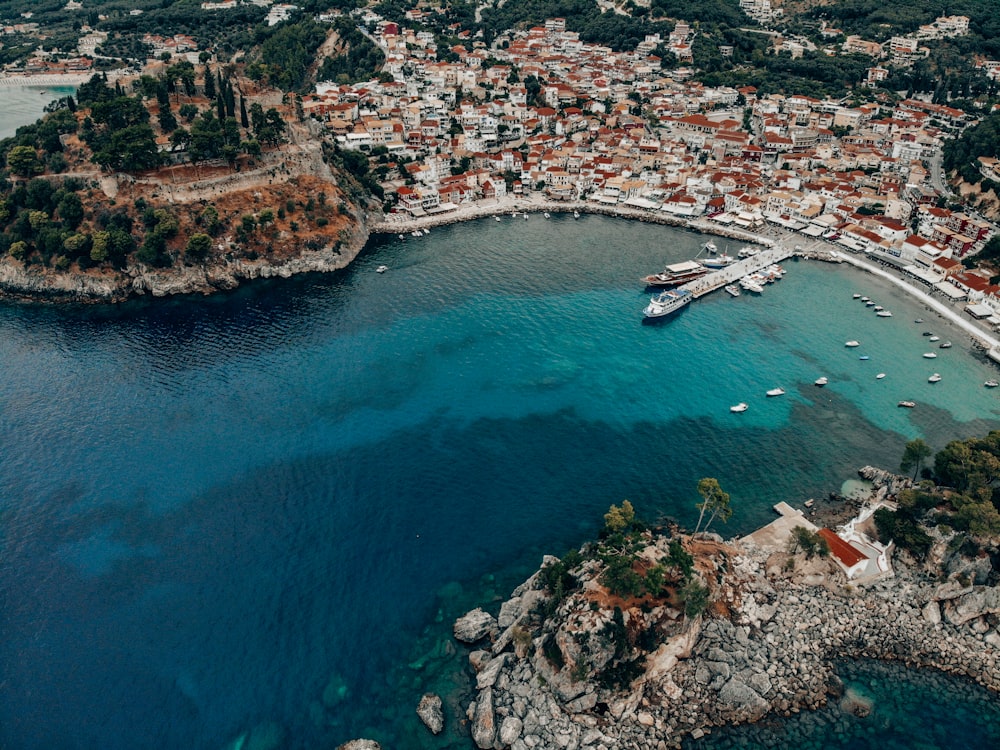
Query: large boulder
{"type": "Point", "coordinates": [976, 603]}
{"type": "Point", "coordinates": [429, 711]}
{"type": "Point", "coordinates": [474, 626]}
{"type": "Point", "coordinates": [484, 722]}
{"type": "Point", "coordinates": [360, 745]}
{"type": "Point", "coordinates": [510, 731]}
{"type": "Point", "coordinates": [744, 698]}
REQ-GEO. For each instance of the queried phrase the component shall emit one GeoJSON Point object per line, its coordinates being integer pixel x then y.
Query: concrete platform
{"type": "Point", "coordinates": [776, 534]}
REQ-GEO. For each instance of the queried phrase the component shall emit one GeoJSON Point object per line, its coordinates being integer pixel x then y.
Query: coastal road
{"type": "Point", "coordinates": [935, 164]}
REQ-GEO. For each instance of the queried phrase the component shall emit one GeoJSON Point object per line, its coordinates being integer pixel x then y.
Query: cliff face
{"type": "Point", "coordinates": [35, 283]}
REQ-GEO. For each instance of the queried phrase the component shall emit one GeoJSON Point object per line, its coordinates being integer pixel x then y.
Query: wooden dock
{"type": "Point", "coordinates": [731, 274]}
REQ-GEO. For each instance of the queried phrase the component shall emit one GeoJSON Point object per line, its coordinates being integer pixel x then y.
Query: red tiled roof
{"type": "Point", "coordinates": [841, 549]}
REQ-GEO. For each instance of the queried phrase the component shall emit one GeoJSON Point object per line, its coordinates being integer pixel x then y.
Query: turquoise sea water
{"type": "Point", "coordinates": [22, 105]}
{"type": "Point", "coordinates": [266, 507]}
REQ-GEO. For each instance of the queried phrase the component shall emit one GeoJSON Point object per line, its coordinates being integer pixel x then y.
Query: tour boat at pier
{"type": "Point", "coordinates": [748, 251]}
{"type": "Point", "coordinates": [751, 285]}
{"type": "Point", "coordinates": [776, 392]}
{"type": "Point", "coordinates": [740, 407]}
{"type": "Point", "coordinates": [732, 289]}
{"type": "Point", "coordinates": [934, 378]}
{"type": "Point", "coordinates": [720, 261]}
{"type": "Point", "coordinates": [676, 274]}
{"type": "Point", "coordinates": [667, 302]}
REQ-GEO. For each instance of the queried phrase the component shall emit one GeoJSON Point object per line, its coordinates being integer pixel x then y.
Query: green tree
{"type": "Point", "coordinates": [198, 247]}
{"type": "Point", "coordinates": [619, 519]}
{"type": "Point", "coordinates": [809, 542]}
{"type": "Point", "coordinates": [715, 501]}
{"type": "Point", "coordinates": [24, 162]}
{"type": "Point", "coordinates": [914, 455]}
{"type": "Point", "coordinates": [694, 596]}
{"type": "Point", "coordinates": [681, 559]}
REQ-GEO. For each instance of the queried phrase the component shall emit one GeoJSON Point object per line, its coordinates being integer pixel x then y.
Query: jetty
{"type": "Point", "coordinates": [718, 279]}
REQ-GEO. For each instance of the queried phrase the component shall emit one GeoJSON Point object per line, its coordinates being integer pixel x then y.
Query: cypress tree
{"type": "Point", "coordinates": [244, 120]}
{"type": "Point", "coordinates": [209, 84]}
{"type": "Point", "coordinates": [220, 107]}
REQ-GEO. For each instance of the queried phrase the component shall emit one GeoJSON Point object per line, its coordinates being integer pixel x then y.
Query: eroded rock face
{"type": "Point", "coordinates": [430, 713]}
{"type": "Point", "coordinates": [484, 729]}
{"type": "Point", "coordinates": [474, 626]}
{"type": "Point", "coordinates": [360, 745]}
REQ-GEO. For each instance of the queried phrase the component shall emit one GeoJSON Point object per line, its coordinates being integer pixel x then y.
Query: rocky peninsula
{"type": "Point", "coordinates": [571, 661]}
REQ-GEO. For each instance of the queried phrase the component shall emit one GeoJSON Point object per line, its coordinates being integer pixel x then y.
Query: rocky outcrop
{"type": "Point", "coordinates": [766, 646]}
{"type": "Point", "coordinates": [98, 286]}
{"type": "Point", "coordinates": [430, 713]}
{"type": "Point", "coordinates": [360, 745]}
{"type": "Point", "coordinates": [474, 626]}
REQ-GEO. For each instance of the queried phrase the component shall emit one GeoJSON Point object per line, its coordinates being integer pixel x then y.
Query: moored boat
{"type": "Point", "coordinates": [740, 407]}
{"type": "Point", "coordinates": [884, 314]}
{"type": "Point", "coordinates": [776, 392]}
{"type": "Point", "coordinates": [880, 376]}
{"type": "Point", "coordinates": [852, 343]}
{"type": "Point", "coordinates": [934, 338]}
{"type": "Point", "coordinates": [944, 345]}
{"type": "Point", "coordinates": [991, 383]}
{"type": "Point", "coordinates": [676, 274]}
{"type": "Point", "coordinates": [864, 357]}
{"type": "Point", "coordinates": [719, 261]}
{"type": "Point", "coordinates": [935, 378]}
{"type": "Point", "coordinates": [929, 355]}
{"type": "Point", "coordinates": [667, 302]}
{"type": "Point", "coordinates": [709, 247]}
{"type": "Point", "coordinates": [732, 289]}
{"type": "Point", "coordinates": [381, 269]}
{"type": "Point", "coordinates": [751, 285]}
{"type": "Point", "coordinates": [576, 214]}
{"type": "Point", "coordinates": [907, 404]}
{"type": "Point", "coordinates": [821, 381]}
{"type": "Point", "coordinates": [857, 296]}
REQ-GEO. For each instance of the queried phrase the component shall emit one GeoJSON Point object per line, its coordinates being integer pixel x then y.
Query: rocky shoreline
{"type": "Point", "coordinates": [769, 649]}
{"type": "Point", "coordinates": [35, 284]}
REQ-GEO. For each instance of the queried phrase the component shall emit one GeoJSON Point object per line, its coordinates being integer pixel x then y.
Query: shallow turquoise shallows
{"type": "Point", "coordinates": [22, 105]}
{"type": "Point", "coordinates": [262, 510]}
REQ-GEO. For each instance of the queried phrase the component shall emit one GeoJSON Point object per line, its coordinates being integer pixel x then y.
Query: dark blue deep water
{"type": "Point", "coordinates": [263, 509]}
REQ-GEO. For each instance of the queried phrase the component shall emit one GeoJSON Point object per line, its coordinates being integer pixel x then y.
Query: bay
{"type": "Point", "coordinates": [266, 507]}
{"type": "Point", "coordinates": [23, 105]}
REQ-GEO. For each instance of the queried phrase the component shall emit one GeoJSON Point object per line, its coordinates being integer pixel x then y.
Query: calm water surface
{"type": "Point", "coordinates": [263, 509]}
{"type": "Point", "coordinates": [22, 105]}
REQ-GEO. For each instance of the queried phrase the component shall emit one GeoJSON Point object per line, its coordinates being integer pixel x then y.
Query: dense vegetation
{"type": "Point", "coordinates": [961, 153]}
{"type": "Point", "coordinates": [359, 60]}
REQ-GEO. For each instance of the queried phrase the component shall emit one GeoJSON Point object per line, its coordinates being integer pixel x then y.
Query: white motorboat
{"type": "Point", "coordinates": [929, 355]}
{"type": "Point", "coordinates": [719, 261]}
{"type": "Point", "coordinates": [821, 381]}
{"type": "Point", "coordinates": [991, 383]}
{"type": "Point", "coordinates": [747, 251]}
{"type": "Point", "coordinates": [851, 344]}
{"type": "Point", "coordinates": [879, 308]}
{"type": "Point", "coordinates": [870, 303]}
{"type": "Point", "coordinates": [857, 296]}
{"type": "Point", "coordinates": [732, 290]}
{"type": "Point", "coordinates": [576, 214]}
{"type": "Point", "coordinates": [667, 302]}
{"type": "Point", "coordinates": [907, 404]}
{"type": "Point", "coordinates": [417, 233]}
{"type": "Point", "coordinates": [934, 338]}
{"type": "Point", "coordinates": [934, 378]}
{"type": "Point", "coordinates": [776, 392]}
{"type": "Point", "coordinates": [738, 408]}
{"type": "Point", "coordinates": [884, 314]}
{"type": "Point", "coordinates": [751, 285]}
{"type": "Point", "coordinates": [525, 215]}
{"type": "Point", "coordinates": [497, 218]}
{"type": "Point", "coordinates": [381, 269]}
{"type": "Point", "coordinates": [865, 299]}
{"type": "Point", "coordinates": [710, 247]}
{"type": "Point", "coordinates": [944, 345]}
{"type": "Point", "coordinates": [880, 376]}
{"type": "Point", "coordinates": [546, 214]}
{"type": "Point", "coordinates": [426, 230]}
{"type": "Point", "coordinates": [402, 236]}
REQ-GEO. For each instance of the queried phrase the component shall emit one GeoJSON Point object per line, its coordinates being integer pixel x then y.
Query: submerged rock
{"type": "Point", "coordinates": [335, 692]}
{"type": "Point", "coordinates": [266, 736]}
{"type": "Point", "coordinates": [430, 712]}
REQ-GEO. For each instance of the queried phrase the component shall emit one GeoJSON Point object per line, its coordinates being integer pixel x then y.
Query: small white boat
{"type": "Point", "coordinates": [880, 376]}
{"type": "Point", "coordinates": [929, 355]}
{"type": "Point", "coordinates": [710, 247]}
{"type": "Point", "coordinates": [907, 404]}
{"type": "Point", "coordinates": [857, 296]}
{"type": "Point", "coordinates": [852, 343]}
{"type": "Point", "coordinates": [381, 269]}
{"type": "Point", "coordinates": [427, 231]}
{"type": "Point", "coordinates": [417, 233]}
{"type": "Point", "coordinates": [738, 408]}
{"type": "Point", "coordinates": [402, 236]}
{"type": "Point", "coordinates": [944, 345]}
{"type": "Point", "coordinates": [934, 378]}
{"type": "Point", "coordinates": [732, 290]}
{"type": "Point", "coordinates": [546, 214]}
{"type": "Point", "coordinates": [776, 392]}
{"type": "Point", "coordinates": [821, 381]}
{"type": "Point", "coordinates": [809, 503]}
{"type": "Point", "coordinates": [748, 251]}
{"type": "Point", "coordinates": [525, 215]}
{"type": "Point", "coordinates": [497, 218]}
{"type": "Point", "coordinates": [870, 303]}
{"type": "Point", "coordinates": [991, 383]}
{"type": "Point", "coordinates": [576, 214]}
{"type": "Point", "coordinates": [934, 338]}
{"type": "Point", "coordinates": [864, 357]}
{"type": "Point", "coordinates": [879, 308]}
{"type": "Point", "coordinates": [865, 299]}
{"type": "Point", "coordinates": [884, 314]}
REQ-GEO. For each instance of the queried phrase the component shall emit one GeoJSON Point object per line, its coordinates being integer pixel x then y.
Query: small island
{"type": "Point", "coordinates": [646, 636]}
